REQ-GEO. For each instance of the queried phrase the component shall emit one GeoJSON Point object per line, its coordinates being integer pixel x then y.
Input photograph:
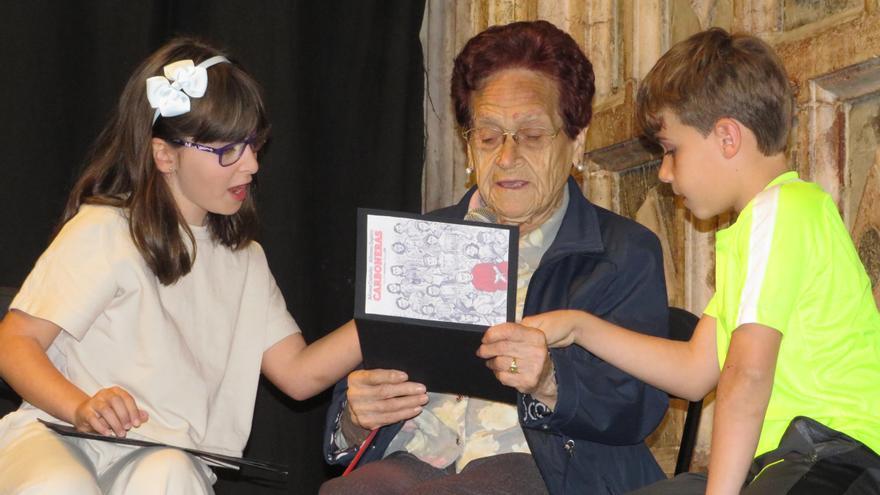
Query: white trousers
{"type": "Point", "coordinates": [35, 460]}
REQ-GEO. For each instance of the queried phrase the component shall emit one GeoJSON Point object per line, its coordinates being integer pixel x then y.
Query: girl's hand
{"type": "Point", "coordinates": [560, 327]}
{"type": "Point", "coordinates": [111, 411]}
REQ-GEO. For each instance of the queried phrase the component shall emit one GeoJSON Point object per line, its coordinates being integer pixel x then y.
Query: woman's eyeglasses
{"type": "Point", "coordinates": [488, 139]}
{"type": "Point", "coordinates": [228, 154]}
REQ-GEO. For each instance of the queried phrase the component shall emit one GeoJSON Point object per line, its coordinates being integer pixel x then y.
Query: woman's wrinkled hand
{"type": "Point", "coordinates": [111, 411]}
{"type": "Point", "coordinates": [381, 397]}
{"type": "Point", "coordinates": [519, 357]}
{"type": "Point", "coordinates": [560, 327]}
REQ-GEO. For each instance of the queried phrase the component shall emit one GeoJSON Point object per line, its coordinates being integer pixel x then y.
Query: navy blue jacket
{"type": "Point", "coordinates": [593, 442]}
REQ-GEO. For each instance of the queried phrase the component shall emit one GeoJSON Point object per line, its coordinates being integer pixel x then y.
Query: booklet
{"type": "Point", "coordinates": [246, 467]}
{"type": "Point", "coordinates": [426, 291]}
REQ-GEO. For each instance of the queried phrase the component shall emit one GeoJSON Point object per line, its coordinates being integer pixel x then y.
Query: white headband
{"type": "Point", "coordinates": [171, 99]}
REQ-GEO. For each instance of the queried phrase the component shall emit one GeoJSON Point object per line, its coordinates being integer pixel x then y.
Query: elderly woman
{"type": "Point", "coordinates": [522, 94]}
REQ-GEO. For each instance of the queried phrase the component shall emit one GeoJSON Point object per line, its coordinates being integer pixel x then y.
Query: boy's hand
{"type": "Point", "coordinates": [111, 411]}
{"type": "Point", "coordinates": [560, 327]}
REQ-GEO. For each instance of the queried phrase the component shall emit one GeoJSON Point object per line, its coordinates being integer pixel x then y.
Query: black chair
{"type": "Point", "coordinates": [9, 400]}
{"type": "Point", "coordinates": [681, 326]}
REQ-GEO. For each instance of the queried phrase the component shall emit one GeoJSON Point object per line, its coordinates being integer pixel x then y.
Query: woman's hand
{"type": "Point", "coordinates": [111, 411]}
{"type": "Point", "coordinates": [560, 327]}
{"type": "Point", "coordinates": [382, 397]}
{"type": "Point", "coordinates": [519, 357]}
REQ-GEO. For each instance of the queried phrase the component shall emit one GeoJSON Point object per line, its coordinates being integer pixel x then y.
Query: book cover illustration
{"type": "Point", "coordinates": [437, 271]}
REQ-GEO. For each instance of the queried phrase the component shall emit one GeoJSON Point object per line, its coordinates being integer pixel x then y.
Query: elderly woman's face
{"type": "Point", "coordinates": [521, 183]}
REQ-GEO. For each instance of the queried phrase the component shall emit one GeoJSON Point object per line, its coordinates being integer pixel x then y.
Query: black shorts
{"type": "Point", "coordinates": [811, 459]}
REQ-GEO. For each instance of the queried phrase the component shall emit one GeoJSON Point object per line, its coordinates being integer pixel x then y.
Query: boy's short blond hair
{"type": "Point", "coordinates": [714, 74]}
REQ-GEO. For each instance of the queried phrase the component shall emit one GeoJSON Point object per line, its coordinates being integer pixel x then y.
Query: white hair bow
{"type": "Point", "coordinates": [183, 80]}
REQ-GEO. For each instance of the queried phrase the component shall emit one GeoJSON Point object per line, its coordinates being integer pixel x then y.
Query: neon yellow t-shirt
{"type": "Point", "coordinates": [789, 263]}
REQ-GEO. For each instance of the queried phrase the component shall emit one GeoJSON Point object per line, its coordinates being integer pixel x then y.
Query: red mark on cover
{"type": "Point", "coordinates": [490, 277]}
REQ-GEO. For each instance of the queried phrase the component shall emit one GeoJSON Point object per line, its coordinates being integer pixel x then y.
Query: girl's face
{"type": "Point", "coordinates": [200, 185]}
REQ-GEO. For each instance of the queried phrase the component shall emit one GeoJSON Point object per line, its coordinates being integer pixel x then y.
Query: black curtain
{"type": "Point", "coordinates": [344, 87]}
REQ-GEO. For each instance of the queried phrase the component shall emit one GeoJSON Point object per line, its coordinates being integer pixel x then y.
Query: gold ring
{"type": "Point", "coordinates": [514, 368]}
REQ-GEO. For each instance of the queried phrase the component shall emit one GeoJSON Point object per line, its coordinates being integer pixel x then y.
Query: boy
{"type": "Point", "coordinates": [791, 337]}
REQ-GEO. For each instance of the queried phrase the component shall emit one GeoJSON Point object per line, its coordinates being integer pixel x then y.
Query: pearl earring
{"type": "Point", "coordinates": [579, 166]}
{"type": "Point", "coordinates": [468, 170]}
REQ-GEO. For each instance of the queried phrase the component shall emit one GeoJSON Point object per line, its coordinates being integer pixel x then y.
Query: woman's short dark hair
{"type": "Point", "coordinates": [533, 45]}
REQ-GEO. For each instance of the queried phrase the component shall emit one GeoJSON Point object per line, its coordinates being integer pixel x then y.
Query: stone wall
{"type": "Point", "coordinates": [831, 49]}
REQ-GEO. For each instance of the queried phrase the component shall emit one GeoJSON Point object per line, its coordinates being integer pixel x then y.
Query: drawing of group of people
{"type": "Point", "coordinates": [449, 272]}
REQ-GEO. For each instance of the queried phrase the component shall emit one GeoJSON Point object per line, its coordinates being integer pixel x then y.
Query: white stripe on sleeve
{"type": "Point", "coordinates": [760, 241]}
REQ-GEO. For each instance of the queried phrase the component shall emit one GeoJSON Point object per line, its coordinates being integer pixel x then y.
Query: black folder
{"type": "Point", "coordinates": [249, 468]}
{"type": "Point", "coordinates": [438, 350]}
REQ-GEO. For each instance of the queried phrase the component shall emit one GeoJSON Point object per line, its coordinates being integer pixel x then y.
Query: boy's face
{"type": "Point", "coordinates": [695, 167]}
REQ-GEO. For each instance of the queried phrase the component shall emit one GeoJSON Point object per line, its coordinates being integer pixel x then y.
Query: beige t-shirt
{"type": "Point", "coordinates": [189, 353]}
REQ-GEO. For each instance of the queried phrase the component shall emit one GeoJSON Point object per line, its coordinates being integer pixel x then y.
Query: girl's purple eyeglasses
{"type": "Point", "coordinates": [228, 154]}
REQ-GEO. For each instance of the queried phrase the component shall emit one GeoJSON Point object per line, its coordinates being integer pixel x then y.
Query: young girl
{"type": "Point", "coordinates": [153, 311]}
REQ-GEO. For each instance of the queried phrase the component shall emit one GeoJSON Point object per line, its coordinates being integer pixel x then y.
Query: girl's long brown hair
{"type": "Point", "coordinates": [120, 170]}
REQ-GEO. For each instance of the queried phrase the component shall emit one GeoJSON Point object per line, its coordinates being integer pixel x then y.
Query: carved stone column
{"type": "Point", "coordinates": [842, 132]}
